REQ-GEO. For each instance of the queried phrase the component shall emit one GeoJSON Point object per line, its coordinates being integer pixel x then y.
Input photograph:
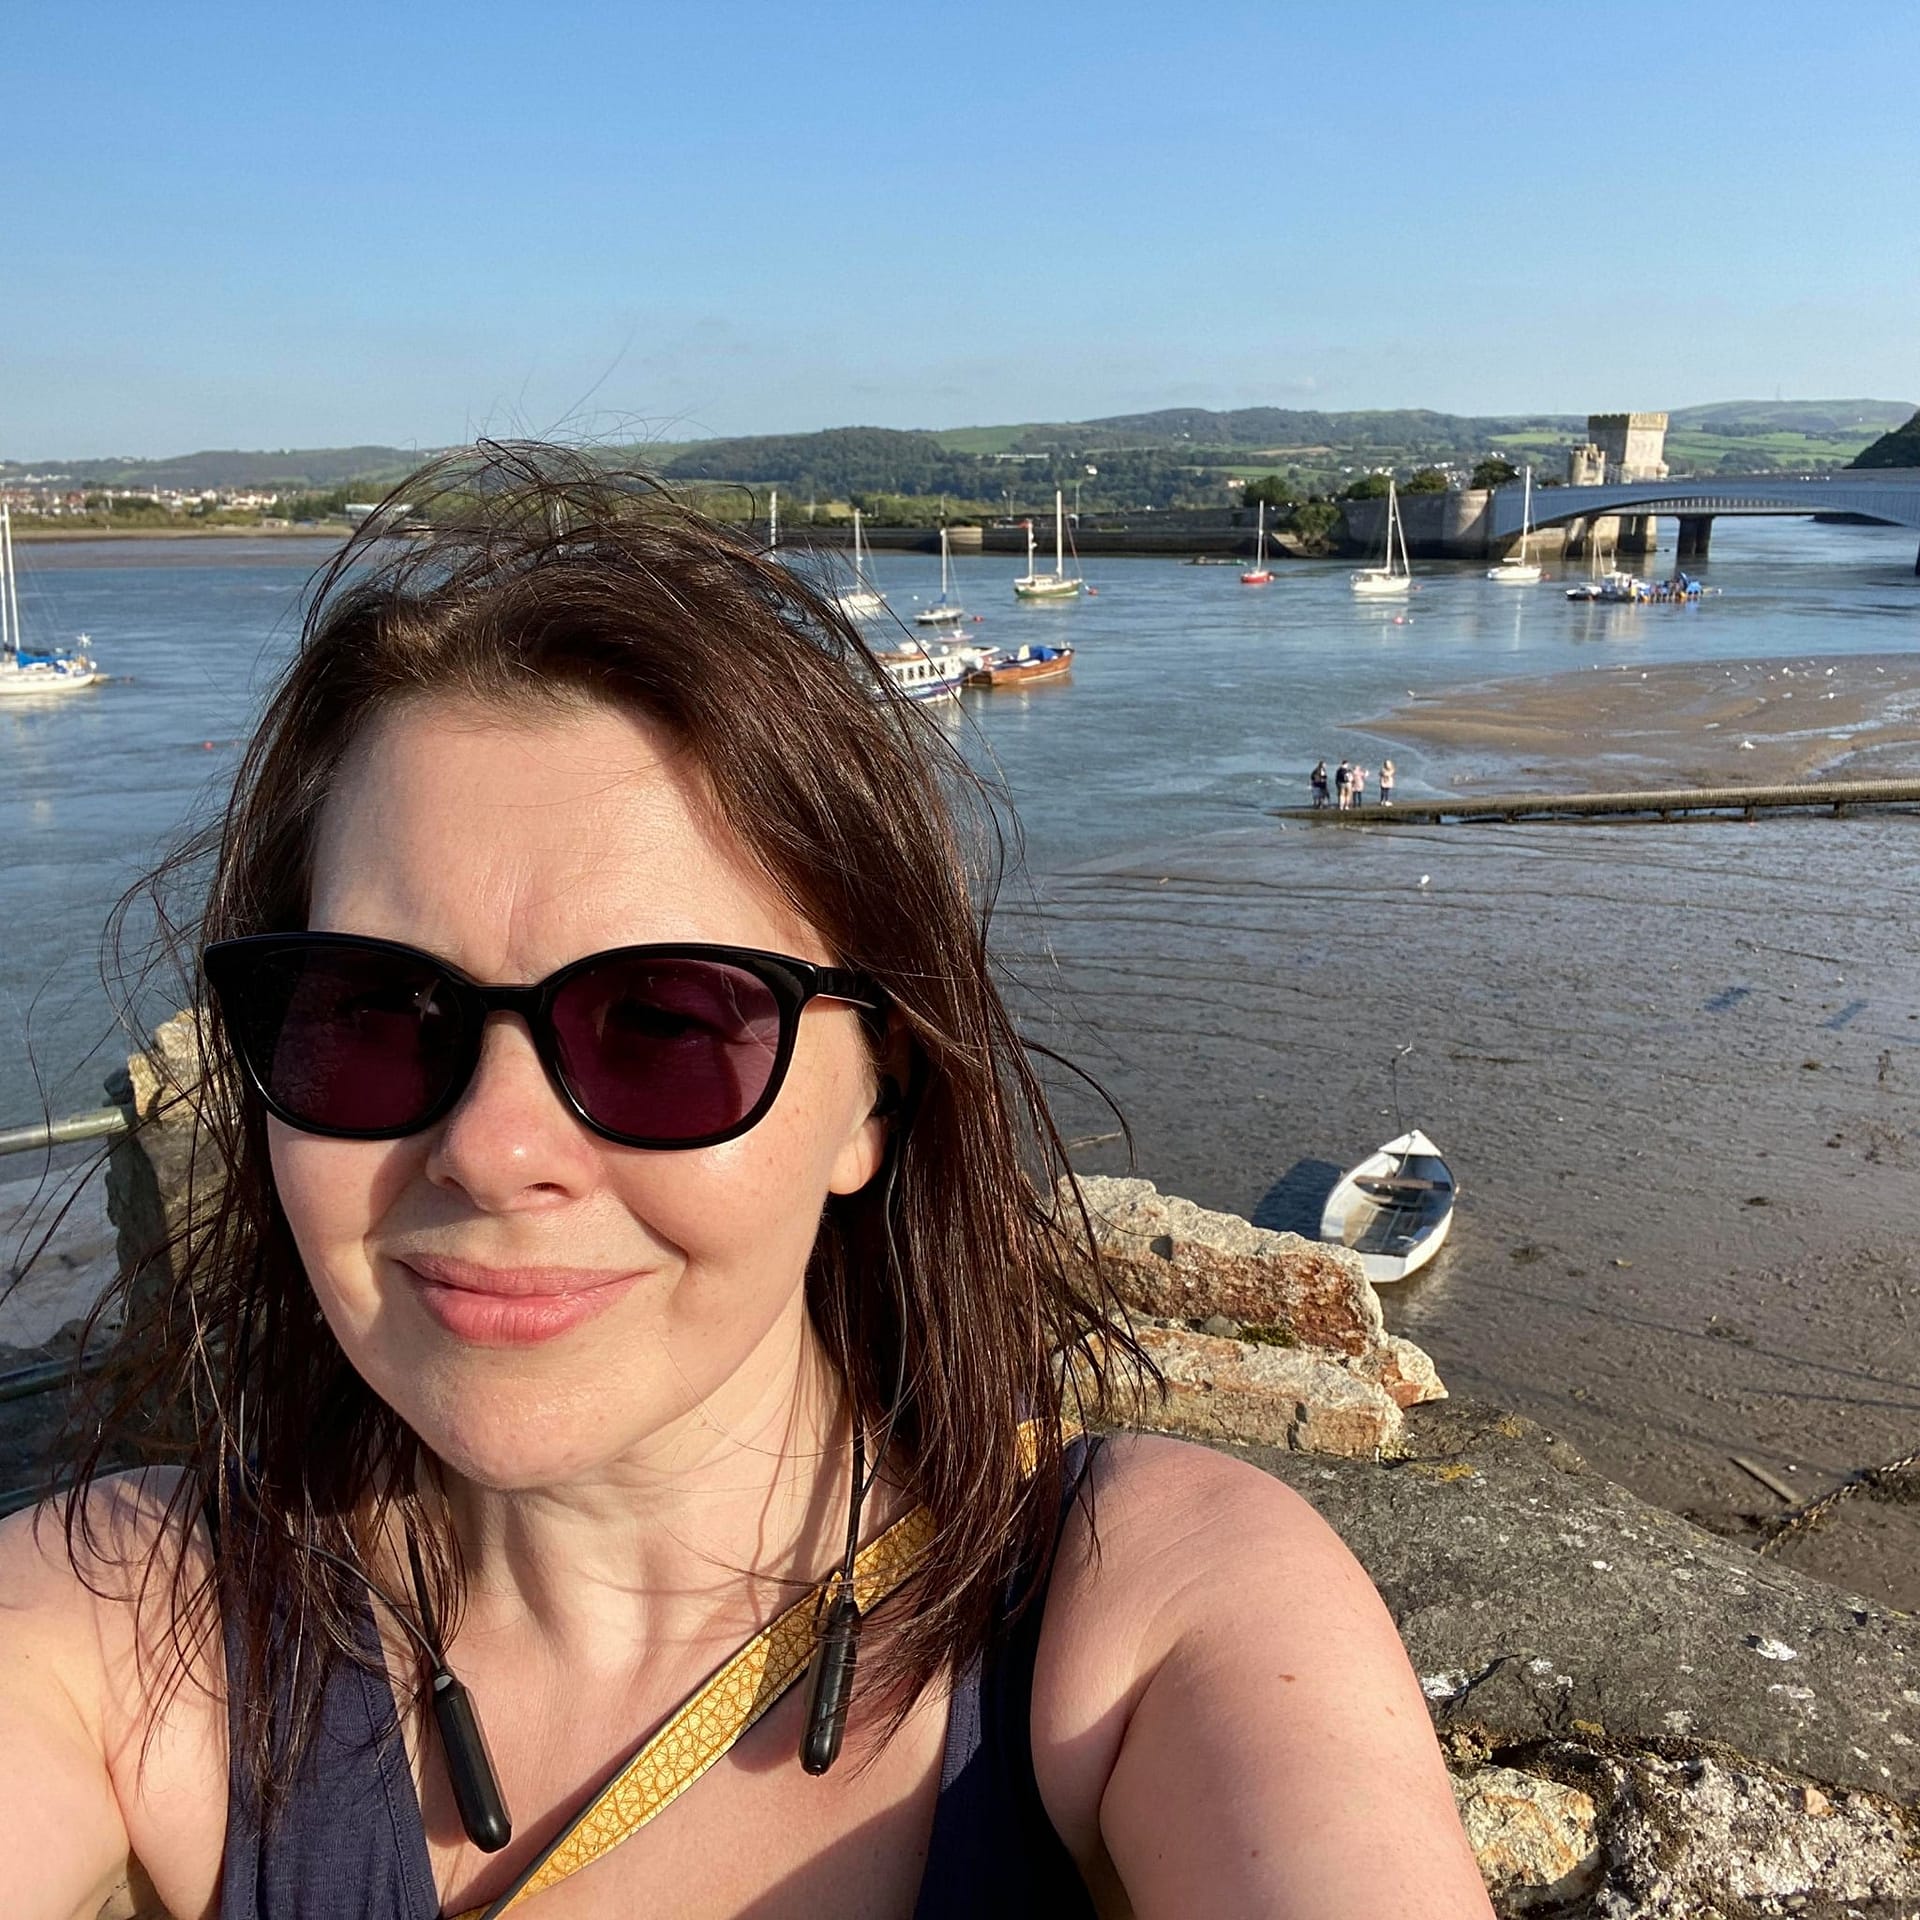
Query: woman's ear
{"type": "Point", "coordinates": [866, 1150]}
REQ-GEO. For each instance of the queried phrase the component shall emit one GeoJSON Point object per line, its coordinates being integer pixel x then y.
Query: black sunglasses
{"type": "Point", "coordinates": [656, 1046]}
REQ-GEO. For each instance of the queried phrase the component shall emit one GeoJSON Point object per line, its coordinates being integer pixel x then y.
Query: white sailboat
{"type": "Point", "coordinates": [1059, 584]}
{"type": "Point", "coordinates": [946, 611]}
{"type": "Point", "coordinates": [25, 670]}
{"type": "Point", "coordinates": [1259, 574]}
{"type": "Point", "coordinates": [863, 600]}
{"type": "Point", "coordinates": [1516, 570]}
{"type": "Point", "coordinates": [1394, 576]}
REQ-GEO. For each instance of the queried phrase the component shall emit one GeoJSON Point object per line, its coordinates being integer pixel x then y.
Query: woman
{"type": "Point", "coordinates": [632, 1205]}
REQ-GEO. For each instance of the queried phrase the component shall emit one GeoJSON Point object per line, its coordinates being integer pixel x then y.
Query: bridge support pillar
{"type": "Point", "coordinates": [1637, 533]}
{"type": "Point", "coordinates": [1696, 535]}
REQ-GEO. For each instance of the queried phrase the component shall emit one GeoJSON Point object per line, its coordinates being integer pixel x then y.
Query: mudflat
{"type": "Point", "coordinates": [1707, 723]}
{"type": "Point", "coordinates": [1676, 1069]}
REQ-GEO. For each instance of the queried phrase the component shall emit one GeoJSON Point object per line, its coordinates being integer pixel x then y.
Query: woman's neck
{"type": "Point", "coordinates": [692, 1538]}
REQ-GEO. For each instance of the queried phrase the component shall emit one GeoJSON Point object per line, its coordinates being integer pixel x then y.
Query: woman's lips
{"type": "Point", "coordinates": [511, 1306]}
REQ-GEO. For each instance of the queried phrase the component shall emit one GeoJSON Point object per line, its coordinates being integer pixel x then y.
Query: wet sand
{"type": "Point", "coordinates": [1714, 723]}
{"type": "Point", "coordinates": [1676, 1070]}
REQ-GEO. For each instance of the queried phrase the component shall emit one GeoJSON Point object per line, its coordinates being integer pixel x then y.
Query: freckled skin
{"type": "Point", "coordinates": [511, 849]}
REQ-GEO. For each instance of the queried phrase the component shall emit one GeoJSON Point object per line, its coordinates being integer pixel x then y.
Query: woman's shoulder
{"type": "Point", "coordinates": [1174, 1533]}
{"type": "Point", "coordinates": [112, 1727]}
{"type": "Point", "coordinates": [1220, 1691]}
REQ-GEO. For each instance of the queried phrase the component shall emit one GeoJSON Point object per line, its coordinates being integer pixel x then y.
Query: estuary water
{"type": "Point", "coordinates": [1195, 703]}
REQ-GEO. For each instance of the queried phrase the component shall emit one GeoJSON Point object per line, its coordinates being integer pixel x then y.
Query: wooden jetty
{"type": "Point", "coordinates": [1835, 796]}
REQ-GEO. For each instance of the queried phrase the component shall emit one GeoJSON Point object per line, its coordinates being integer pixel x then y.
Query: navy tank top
{"type": "Point", "coordinates": [349, 1842]}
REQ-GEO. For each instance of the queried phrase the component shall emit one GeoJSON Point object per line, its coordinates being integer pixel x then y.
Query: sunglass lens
{"type": "Point", "coordinates": [347, 1039]}
{"type": "Point", "coordinates": [667, 1050]}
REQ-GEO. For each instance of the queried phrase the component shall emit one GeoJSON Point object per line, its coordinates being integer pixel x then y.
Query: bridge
{"type": "Point", "coordinates": [1892, 498]}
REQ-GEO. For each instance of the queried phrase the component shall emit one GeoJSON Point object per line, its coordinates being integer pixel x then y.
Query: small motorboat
{"type": "Point", "coordinates": [1022, 667]}
{"type": "Point", "coordinates": [1393, 1209]}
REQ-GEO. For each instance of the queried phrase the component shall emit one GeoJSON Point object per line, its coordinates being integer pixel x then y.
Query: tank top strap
{"type": "Point", "coordinates": [993, 1849]}
{"type": "Point", "coordinates": [348, 1842]}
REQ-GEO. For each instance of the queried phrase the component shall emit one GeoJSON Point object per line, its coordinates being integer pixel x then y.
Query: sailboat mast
{"type": "Point", "coordinates": [773, 520]}
{"type": "Point", "coordinates": [1059, 534]}
{"type": "Point", "coordinates": [943, 563]}
{"type": "Point", "coordinates": [10, 627]}
{"type": "Point", "coordinates": [1526, 513]}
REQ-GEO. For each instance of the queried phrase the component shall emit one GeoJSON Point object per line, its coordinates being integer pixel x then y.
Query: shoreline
{"type": "Point", "coordinates": [77, 536]}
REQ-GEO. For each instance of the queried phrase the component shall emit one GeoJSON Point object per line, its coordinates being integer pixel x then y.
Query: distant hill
{"type": "Point", "coordinates": [311, 469]}
{"type": "Point", "coordinates": [1900, 448]}
{"type": "Point", "coordinates": [1283, 430]}
{"type": "Point", "coordinates": [1173, 455]}
{"type": "Point", "coordinates": [1815, 417]}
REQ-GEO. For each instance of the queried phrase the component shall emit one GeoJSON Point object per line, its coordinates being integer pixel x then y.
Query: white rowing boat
{"type": "Point", "coordinates": [1393, 1209]}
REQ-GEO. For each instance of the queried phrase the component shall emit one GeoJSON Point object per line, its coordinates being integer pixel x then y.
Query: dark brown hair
{"type": "Point", "coordinates": [542, 576]}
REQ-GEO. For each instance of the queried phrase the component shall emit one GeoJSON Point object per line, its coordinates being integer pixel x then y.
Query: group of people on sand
{"type": "Point", "coordinates": [1349, 784]}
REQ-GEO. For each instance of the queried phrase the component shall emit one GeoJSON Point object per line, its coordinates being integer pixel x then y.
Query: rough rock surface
{"type": "Point", "coordinates": [1276, 1396]}
{"type": "Point", "coordinates": [1749, 1738]}
{"type": "Point", "coordinates": [1177, 1261]}
{"type": "Point", "coordinates": [152, 1172]}
{"type": "Point", "coordinates": [1543, 1602]}
{"type": "Point", "coordinates": [1534, 1838]}
{"type": "Point", "coordinates": [1689, 1838]}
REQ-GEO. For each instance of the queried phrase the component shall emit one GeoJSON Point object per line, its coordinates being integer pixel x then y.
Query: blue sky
{"type": "Point", "coordinates": [242, 225]}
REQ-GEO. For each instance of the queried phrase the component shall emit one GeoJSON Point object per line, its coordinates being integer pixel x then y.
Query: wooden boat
{"type": "Point", "coordinates": [1022, 667]}
{"type": "Point", "coordinates": [1393, 1209]}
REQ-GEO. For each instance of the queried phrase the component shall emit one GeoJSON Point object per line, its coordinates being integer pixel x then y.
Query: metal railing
{"type": "Point", "coordinates": [103, 1124]}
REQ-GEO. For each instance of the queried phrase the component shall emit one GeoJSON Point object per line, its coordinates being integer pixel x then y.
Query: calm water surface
{"type": "Point", "coordinates": [1195, 702]}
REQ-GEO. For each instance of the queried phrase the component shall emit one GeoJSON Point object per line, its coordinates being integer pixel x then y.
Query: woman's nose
{"type": "Point", "coordinates": [510, 1143]}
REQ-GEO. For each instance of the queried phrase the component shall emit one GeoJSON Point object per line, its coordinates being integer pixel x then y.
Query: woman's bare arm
{"type": "Point", "coordinates": [1224, 1715]}
{"type": "Point", "coordinates": [99, 1786]}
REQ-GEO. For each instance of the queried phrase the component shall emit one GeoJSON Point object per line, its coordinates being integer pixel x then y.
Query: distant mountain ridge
{"type": "Point", "coordinates": [309, 468]}
{"type": "Point", "coordinates": [967, 460]}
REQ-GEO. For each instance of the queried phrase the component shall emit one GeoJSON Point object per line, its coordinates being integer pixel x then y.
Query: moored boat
{"type": "Point", "coordinates": [1022, 666]}
{"type": "Point", "coordinates": [946, 611]}
{"type": "Point", "coordinates": [1394, 575]}
{"type": "Point", "coordinates": [1516, 570]}
{"type": "Point", "coordinates": [28, 670]}
{"type": "Point", "coordinates": [1059, 584]}
{"type": "Point", "coordinates": [1393, 1209]}
{"type": "Point", "coordinates": [927, 673]}
{"type": "Point", "coordinates": [1259, 574]}
{"type": "Point", "coordinates": [863, 600]}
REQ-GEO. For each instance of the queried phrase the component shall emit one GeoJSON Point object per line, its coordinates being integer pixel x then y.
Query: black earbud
{"type": "Point", "coordinates": [889, 1099]}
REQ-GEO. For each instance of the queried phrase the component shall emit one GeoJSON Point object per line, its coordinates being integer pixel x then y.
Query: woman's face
{"type": "Point", "coordinates": [660, 1283]}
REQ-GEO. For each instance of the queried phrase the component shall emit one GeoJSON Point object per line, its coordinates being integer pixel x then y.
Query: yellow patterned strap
{"type": "Point", "coordinates": [726, 1705]}
{"type": "Point", "coordinates": [713, 1719]}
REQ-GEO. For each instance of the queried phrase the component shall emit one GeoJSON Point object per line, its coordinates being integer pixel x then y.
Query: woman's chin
{"type": "Point", "coordinates": [514, 1435]}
